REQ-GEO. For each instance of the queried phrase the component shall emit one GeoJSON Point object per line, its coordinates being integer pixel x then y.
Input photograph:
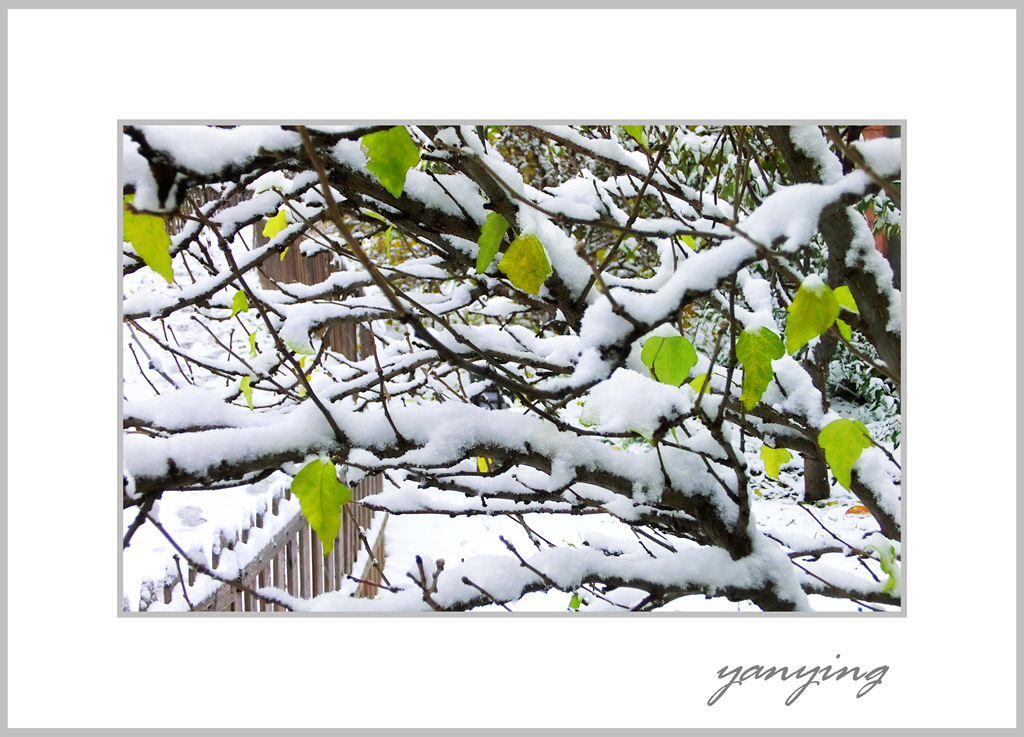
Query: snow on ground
{"type": "Point", "coordinates": [198, 521]}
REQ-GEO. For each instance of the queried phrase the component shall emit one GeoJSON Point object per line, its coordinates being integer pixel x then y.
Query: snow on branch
{"type": "Point", "coordinates": [524, 320]}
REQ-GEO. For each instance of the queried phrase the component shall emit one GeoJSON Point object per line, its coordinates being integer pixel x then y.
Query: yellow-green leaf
{"type": "Point", "coordinates": [843, 441]}
{"type": "Point", "coordinates": [755, 350]}
{"type": "Point", "coordinates": [252, 344]}
{"type": "Point", "coordinates": [275, 225]}
{"type": "Point", "coordinates": [491, 234]}
{"type": "Point", "coordinates": [240, 303]}
{"type": "Point", "coordinates": [845, 298]}
{"type": "Point", "coordinates": [699, 382]}
{"type": "Point", "coordinates": [773, 459]}
{"type": "Point", "coordinates": [812, 312]}
{"type": "Point", "coordinates": [304, 349]}
{"type": "Point", "coordinates": [321, 497]}
{"type": "Point", "coordinates": [148, 236]}
{"type": "Point", "coordinates": [483, 465]}
{"type": "Point", "coordinates": [525, 263]}
{"type": "Point", "coordinates": [390, 155]}
{"type": "Point", "coordinates": [246, 388]}
{"type": "Point", "coordinates": [590, 416]}
{"type": "Point", "coordinates": [637, 133]}
{"type": "Point", "coordinates": [887, 559]}
{"type": "Point", "coordinates": [690, 241]}
{"type": "Point", "coordinates": [670, 359]}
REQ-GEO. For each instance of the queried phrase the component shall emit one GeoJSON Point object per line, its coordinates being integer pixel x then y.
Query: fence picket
{"type": "Point", "coordinates": [317, 554]}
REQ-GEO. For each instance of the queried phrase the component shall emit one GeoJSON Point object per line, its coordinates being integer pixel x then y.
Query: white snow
{"type": "Point", "coordinates": [811, 141]}
{"type": "Point", "coordinates": [883, 155]}
{"type": "Point", "coordinates": [206, 150]}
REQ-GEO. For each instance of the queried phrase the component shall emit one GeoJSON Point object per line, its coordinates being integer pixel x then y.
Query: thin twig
{"type": "Point", "coordinates": [522, 561]}
{"type": "Point", "coordinates": [191, 377]}
{"type": "Point", "coordinates": [144, 509]}
{"type": "Point", "coordinates": [530, 532]}
{"type": "Point", "coordinates": [853, 155]}
{"type": "Point", "coordinates": [181, 578]}
{"type": "Point", "coordinates": [594, 592]}
{"type": "Point", "coordinates": [833, 586]}
{"type": "Point", "coordinates": [858, 551]}
{"type": "Point", "coordinates": [641, 542]}
{"type": "Point", "coordinates": [141, 372]}
{"type": "Point", "coordinates": [392, 589]}
{"type": "Point", "coordinates": [422, 583]}
{"type": "Point", "coordinates": [152, 364]}
{"type": "Point", "coordinates": [366, 544]}
{"type": "Point", "coordinates": [478, 588]}
{"type": "Point", "coordinates": [384, 395]}
{"type": "Point", "coordinates": [639, 532]}
{"type": "Point", "coordinates": [233, 583]}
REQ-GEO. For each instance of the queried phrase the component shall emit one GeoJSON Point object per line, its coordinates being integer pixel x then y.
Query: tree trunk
{"type": "Point", "coordinates": [816, 487]}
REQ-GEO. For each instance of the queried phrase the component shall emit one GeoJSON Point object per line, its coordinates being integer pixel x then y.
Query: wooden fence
{"type": "Point", "coordinates": [293, 560]}
{"type": "Point", "coordinates": [293, 268]}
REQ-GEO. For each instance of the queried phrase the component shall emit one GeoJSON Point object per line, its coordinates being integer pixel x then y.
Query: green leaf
{"type": "Point", "coordinates": [303, 349]}
{"type": "Point", "coordinates": [637, 132]}
{"type": "Point", "coordinates": [773, 459]}
{"type": "Point", "coordinates": [252, 343]}
{"type": "Point", "coordinates": [755, 350]}
{"type": "Point", "coordinates": [574, 602]}
{"type": "Point", "coordinates": [690, 241]}
{"type": "Point", "coordinates": [845, 299]}
{"type": "Point", "coordinates": [843, 441]}
{"type": "Point", "coordinates": [247, 390]}
{"type": "Point", "coordinates": [525, 263]}
{"type": "Point", "coordinates": [887, 559]}
{"type": "Point", "coordinates": [589, 417]}
{"type": "Point", "coordinates": [375, 216]}
{"type": "Point", "coordinates": [699, 382]}
{"type": "Point", "coordinates": [670, 359]}
{"type": "Point", "coordinates": [240, 303]}
{"type": "Point", "coordinates": [148, 236]}
{"type": "Point", "coordinates": [645, 434]}
{"type": "Point", "coordinates": [321, 497]}
{"type": "Point", "coordinates": [490, 239]}
{"type": "Point", "coordinates": [390, 155]}
{"type": "Point", "coordinates": [275, 225]}
{"type": "Point", "coordinates": [813, 311]}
